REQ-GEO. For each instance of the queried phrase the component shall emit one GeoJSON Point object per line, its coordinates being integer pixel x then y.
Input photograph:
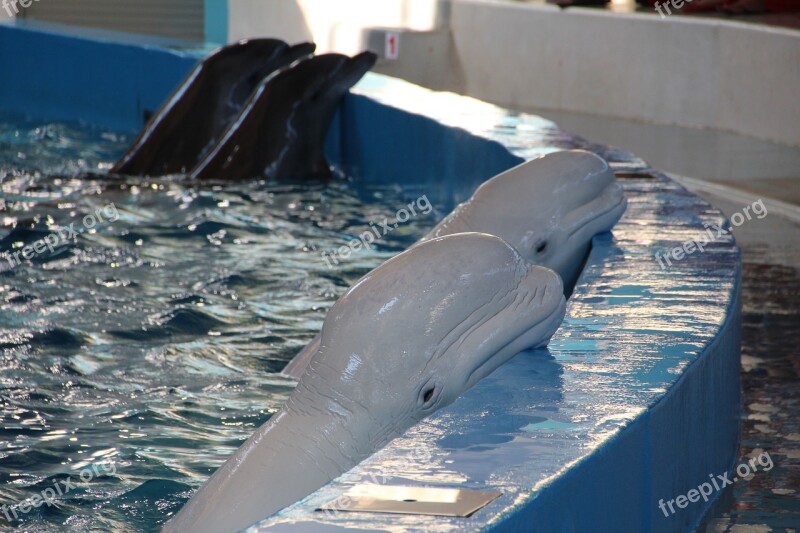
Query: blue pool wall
{"type": "Point", "coordinates": [687, 431]}
{"type": "Point", "coordinates": [669, 450]}
{"type": "Point", "coordinates": [88, 76]}
{"type": "Point", "coordinates": [377, 142]}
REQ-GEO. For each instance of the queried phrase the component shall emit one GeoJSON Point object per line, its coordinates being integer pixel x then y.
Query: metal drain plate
{"type": "Point", "coordinates": [402, 499]}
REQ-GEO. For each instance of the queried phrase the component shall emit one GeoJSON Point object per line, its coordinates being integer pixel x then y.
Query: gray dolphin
{"type": "Point", "coordinates": [407, 339]}
{"type": "Point", "coordinates": [547, 208]}
{"type": "Point", "coordinates": [198, 112]}
{"type": "Point", "coordinates": [280, 132]}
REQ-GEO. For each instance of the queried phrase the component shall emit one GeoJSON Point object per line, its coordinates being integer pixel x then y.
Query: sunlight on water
{"type": "Point", "coordinates": [141, 351]}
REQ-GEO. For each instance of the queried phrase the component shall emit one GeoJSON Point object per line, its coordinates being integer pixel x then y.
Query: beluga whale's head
{"type": "Point", "coordinates": [548, 209]}
{"type": "Point", "coordinates": [407, 339]}
{"type": "Point", "coordinates": [415, 333]}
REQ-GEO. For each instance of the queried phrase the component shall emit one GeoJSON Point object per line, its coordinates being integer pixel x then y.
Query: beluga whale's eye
{"type": "Point", "coordinates": [540, 246]}
{"type": "Point", "coordinates": [428, 394]}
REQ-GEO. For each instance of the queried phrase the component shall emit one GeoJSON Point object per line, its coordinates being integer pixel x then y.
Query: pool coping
{"type": "Point", "coordinates": [682, 417]}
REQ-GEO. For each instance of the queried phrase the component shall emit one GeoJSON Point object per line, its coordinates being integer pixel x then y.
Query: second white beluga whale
{"type": "Point", "coordinates": [547, 208]}
{"type": "Point", "coordinates": [407, 339]}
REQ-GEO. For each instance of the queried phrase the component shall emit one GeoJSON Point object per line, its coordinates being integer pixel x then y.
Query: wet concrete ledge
{"type": "Point", "coordinates": [635, 400]}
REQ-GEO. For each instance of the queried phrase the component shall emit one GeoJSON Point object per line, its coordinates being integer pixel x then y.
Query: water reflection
{"type": "Point", "coordinates": [152, 341]}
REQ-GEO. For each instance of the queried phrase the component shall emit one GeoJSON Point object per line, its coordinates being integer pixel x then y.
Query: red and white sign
{"type": "Point", "coordinates": [392, 50]}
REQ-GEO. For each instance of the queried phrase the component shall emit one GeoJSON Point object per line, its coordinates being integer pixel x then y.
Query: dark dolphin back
{"type": "Point", "coordinates": [305, 157]}
{"type": "Point", "coordinates": [280, 132]}
{"type": "Point", "coordinates": [193, 118]}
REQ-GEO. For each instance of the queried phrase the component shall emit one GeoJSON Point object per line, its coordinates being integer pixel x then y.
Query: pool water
{"type": "Point", "coordinates": [141, 351]}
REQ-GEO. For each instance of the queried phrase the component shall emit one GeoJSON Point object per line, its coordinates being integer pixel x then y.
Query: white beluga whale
{"type": "Point", "coordinates": [547, 208]}
{"type": "Point", "coordinates": [407, 339]}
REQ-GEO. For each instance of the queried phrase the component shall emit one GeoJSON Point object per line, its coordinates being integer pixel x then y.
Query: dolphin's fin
{"type": "Point", "coordinates": [198, 112]}
{"type": "Point", "coordinates": [281, 130]}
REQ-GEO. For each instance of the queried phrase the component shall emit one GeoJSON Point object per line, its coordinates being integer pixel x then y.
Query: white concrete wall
{"type": "Point", "coordinates": [335, 25]}
{"type": "Point", "coordinates": [684, 71]}
{"type": "Point", "coordinates": [175, 19]}
{"type": "Point", "coordinates": [680, 70]}
{"type": "Point", "coordinates": [760, 82]}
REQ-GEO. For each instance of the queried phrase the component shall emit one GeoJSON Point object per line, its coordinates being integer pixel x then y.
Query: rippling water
{"type": "Point", "coordinates": [142, 351]}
